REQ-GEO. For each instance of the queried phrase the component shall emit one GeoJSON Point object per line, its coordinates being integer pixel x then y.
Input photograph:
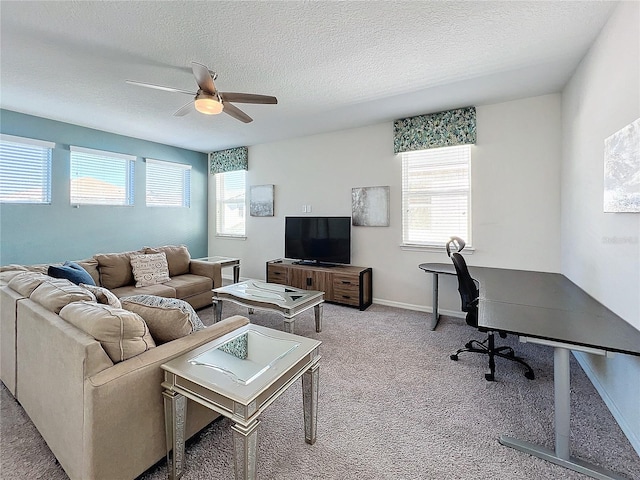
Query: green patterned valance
{"type": "Point", "coordinates": [442, 129]}
{"type": "Point", "coordinates": [229, 160]}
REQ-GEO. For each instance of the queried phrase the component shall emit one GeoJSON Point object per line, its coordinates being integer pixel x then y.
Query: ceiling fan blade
{"type": "Point", "coordinates": [183, 110]}
{"type": "Point", "coordinates": [248, 98]}
{"type": "Point", "coordinates": [159, 87]}
{"type": "Point", "coordinates": [236, 113]}
{"type": "Point", "coordinates": [203, 77]}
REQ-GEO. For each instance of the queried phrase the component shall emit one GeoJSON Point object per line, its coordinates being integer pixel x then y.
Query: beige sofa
{"type": "Point", "coordinates": [102, 417]}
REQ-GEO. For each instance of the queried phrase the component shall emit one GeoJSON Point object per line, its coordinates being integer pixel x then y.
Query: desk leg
{"type": "Point", "coordinates": [436, 316]}
{"type": "Point", "coordinates": [310, 403]}
{"type": "Point", "coordinates": [317, 310]}
{"type": "Point", "coordinates": [245, 450]}
{"type": "Point", "coordinates": [236, 273]}
{"type": "Point", "coordinates": [175, 415]}
{"type": "Point", "coordinates": [561, 456]}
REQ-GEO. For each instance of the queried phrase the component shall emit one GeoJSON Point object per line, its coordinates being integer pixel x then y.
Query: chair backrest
{"type": "Point", "coordinates": [466, 284]}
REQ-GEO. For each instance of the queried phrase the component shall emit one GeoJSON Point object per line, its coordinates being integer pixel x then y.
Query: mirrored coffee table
{"type": "Point", "coordinates": [239, 375]}
{"type": "Point", "coordinates": [287, 301]}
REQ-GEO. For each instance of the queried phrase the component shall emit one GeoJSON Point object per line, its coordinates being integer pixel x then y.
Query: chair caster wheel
{"type": "Point", "coordinates": [529, 375]}
{"type": "Point", "coordinates": [468, 345]}
{"type": "Point", "coordinates": [489, 377]}
{"type": "Point", "coordinates": [454, 357]}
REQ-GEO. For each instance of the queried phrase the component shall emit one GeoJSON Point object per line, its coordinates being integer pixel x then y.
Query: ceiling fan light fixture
{"type": "Point", "coordinates": [208, 105]}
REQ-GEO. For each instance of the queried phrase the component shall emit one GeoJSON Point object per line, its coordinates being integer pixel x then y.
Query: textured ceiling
{"type": "Point", "coordinates": [332, 65]}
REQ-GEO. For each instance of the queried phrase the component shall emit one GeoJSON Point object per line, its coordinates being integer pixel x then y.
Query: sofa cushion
{"type": "Point", "coordinates": [91, 266]}
{"type": "Point", "coordinates": [55, 293]}
{"type": "Point", "coordinates": [122, 334]}
{"type": "Point", "coordinates": [103, 295]}
{"type": "Point", "coordinates": [161, 290]}
{"type": "Point", "coordinates": [150, 269]}
{"type": "Point", "coordinates": [71, 271]}
{"type": "Point", "coordinates": [26, 282]}
{"type": "Point", "coordinates": [178, 258]}
{"type": "Point", "coordinates": [167, 318]}
{"type": "Point", "coordinates": [115, 269]}
{"type": "Point", "coordinates": [188, 285]}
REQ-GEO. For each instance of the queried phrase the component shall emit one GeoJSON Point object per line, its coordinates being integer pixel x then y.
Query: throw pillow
{"type": "Point", "coordinates": [103, 295]}
{"type": "Point", "coordinates": [121, 333]}
{"type": "Point", "coordinates": [178, 258]}
{"type": "Point", "coordinates": [71, 271]}
{"type": "Point", "coordinates": [150, 269]}
{"type": "Point", "coordinates": [167, 318]}
{"type": "Point", "coordinates": [115, 269]}
{"type": "Point", "coordinates": [55, 293]}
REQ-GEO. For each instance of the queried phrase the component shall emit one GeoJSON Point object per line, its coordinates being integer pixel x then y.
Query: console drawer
{"type": "Point", "coordinates": [278, 274]}
{"type": "Point", "coordinates": [348, 282]}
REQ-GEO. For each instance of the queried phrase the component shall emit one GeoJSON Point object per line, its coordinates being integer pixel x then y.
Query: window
{"type": "Point", "coordinates": [101, 178]}
{"type": "Point", "coordinates": [168, 184]}
{"type": "Point", "coordinates": [436, 199]}
{"type": "Point", "coordinates": [25, 170]}
{"type": "Point", "coordinates": [230, 203]}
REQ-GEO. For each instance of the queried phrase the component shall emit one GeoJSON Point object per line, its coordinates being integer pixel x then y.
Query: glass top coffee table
{"type": "Point", "coordinates": [239, 375]}
{"type": "Point", "coordinates": [287, 301]}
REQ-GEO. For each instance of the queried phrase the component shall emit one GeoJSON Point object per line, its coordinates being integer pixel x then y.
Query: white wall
{"type": "Point", "coordinates": [601, 252]}
{"type": "Point", "coordinates": [515, 189]}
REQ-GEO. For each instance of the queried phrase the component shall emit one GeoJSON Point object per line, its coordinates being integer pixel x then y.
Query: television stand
{"type": "Point", "coordinates": [313, 263]}
{"type": "Point", "coordinates": [342, 284]}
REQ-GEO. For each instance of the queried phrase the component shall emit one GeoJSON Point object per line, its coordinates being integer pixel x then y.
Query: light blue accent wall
{"type": "Point", "coordinates": [51, 233]}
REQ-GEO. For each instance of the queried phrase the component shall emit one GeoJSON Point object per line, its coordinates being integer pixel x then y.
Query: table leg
{"type": "Point", "coordinates": [236, 273]}
{"type": "Point", "coordinates": [217, 310]}
{"type": "Point", "coordinates": [561, 455]}
{"type": "Point", "coordinates": [245, 450]}
{"type": "Point", "coordinates": [288, 325]}
{"type": "Point", "coordinates": [175, 414]}
{"type": "Point", "coordinates": [436, 316]}
{"type": "Point", "coordinates": [310, 380]}
{"type": "Point", "coordinates": [317, 310]}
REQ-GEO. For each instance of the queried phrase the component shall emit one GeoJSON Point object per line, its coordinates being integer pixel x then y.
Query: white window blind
{"type": "Point", "coordinates": [168, 184]}
{"type": "Point", "coordinates": [436, 197]}
{"type": "Point", "coordinates": [101, 178]}
{"type": "Point", "coordinates": [230, 203]}
{"type": "Point", "coordinates": [25, 170]}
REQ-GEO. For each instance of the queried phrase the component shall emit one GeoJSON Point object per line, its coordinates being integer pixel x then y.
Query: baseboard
{"type": "Point", "coordinates": [418, 308]}
{"type": "Point", "coordinates": [608, 401]}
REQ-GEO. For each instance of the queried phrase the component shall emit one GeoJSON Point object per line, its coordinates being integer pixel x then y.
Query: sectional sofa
{"type": "Point", "coordinates": [88, 373]}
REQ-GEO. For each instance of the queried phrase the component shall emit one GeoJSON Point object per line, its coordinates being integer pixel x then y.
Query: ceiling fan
{"type": "Point", "coordinates": [208, 99]}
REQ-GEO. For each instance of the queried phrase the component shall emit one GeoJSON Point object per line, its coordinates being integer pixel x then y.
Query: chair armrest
{"type": "Point", "coordinates": [207, 269]}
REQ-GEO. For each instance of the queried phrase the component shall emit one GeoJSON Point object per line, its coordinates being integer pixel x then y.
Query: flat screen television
{"type": "Point", "coordinates": [318, 240]}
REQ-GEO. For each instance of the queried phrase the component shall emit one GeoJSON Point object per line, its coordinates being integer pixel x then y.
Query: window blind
{"type": "Point", "coordinates": [436, 199]}
{"type": "Point", "coordinates": [101, 178]}
{"type": "Point", "coordinates": [168, 184]}
{"type": "Point", "coordinates": [230, 203]}
{"type": "Point", "coordinates": [25, 170]}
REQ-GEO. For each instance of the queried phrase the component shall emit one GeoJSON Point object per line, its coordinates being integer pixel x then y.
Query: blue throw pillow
{"type": "Point", "coordinates": [72, 272]}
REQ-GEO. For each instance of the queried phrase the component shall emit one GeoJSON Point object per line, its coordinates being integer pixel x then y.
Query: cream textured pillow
{"type": "Point", "coordinates": [167, 318]}
{"type": "Point", "coordinates": [103, 295]}
{"type": "Point", "coordinates": [121, 333]}
{"type": "Point", "coordinates": [150, 269]}
{"type": "Point", "coordinates": [178, 258]}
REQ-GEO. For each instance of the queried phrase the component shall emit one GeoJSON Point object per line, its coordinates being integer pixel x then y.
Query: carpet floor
{"type": "Point", "coordinates": [392, 405]}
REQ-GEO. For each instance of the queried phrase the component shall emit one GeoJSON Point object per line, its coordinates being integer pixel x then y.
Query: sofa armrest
{"type": "Point", "coordinates": [207, 269]}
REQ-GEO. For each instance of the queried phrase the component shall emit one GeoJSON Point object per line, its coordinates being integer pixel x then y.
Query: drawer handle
{"type": "Point", "coordinates": [346, 282]}
{"type": "Point", "coordinates": [346, 296]}
{"type": "Point", "coordinates": [277, 273]}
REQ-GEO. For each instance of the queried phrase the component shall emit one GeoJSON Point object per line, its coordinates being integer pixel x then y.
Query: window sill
{"type": "Point", "coordinates": [433, 248]}
{"type": "Point", "coordinates": [232, 237]}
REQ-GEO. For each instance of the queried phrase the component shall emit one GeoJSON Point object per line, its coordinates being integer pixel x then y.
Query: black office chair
{"type": "Point", "coordinates": [469, 294]}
